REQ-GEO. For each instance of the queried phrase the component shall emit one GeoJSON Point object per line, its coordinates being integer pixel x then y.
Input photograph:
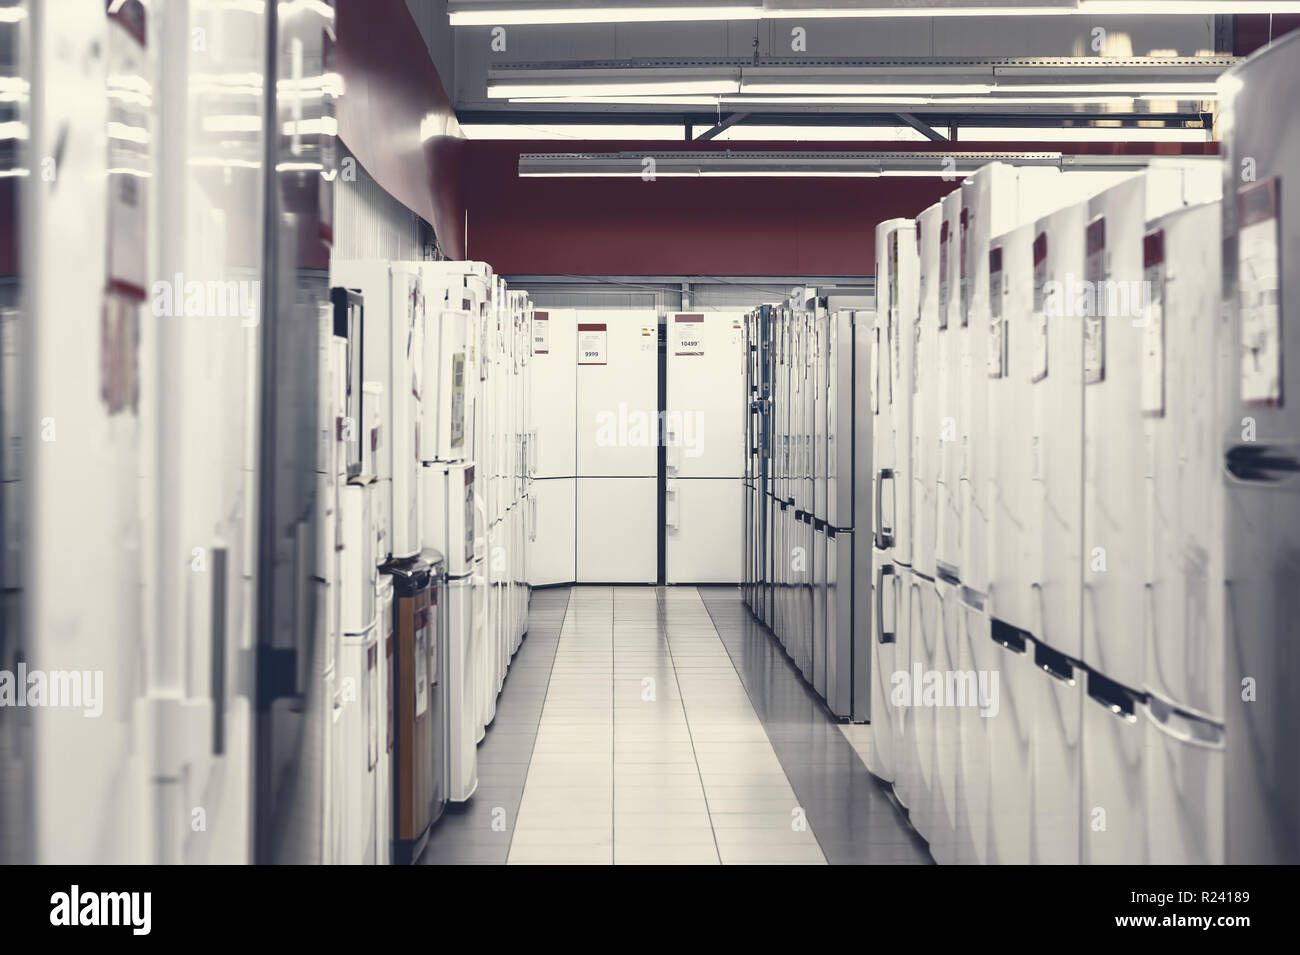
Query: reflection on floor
{"type": "Point", "coordinates": [663, 725]}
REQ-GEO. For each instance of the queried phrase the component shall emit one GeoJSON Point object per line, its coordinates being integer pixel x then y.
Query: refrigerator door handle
{"type": "Point", "coordinates": [1182, 726]}
{"type": "Point", "coordinates": [673, 505]}
{"type": "Point", "coordinates": [1263, 463]}
{"type": "Point", "coordinates": [532, 517]}
{"type": "Point", "coordinates": [884, 537]}
{"type": "Point", "coordinates": [883, 635]}
{"type": "Point", "coordinates": [220, 575]}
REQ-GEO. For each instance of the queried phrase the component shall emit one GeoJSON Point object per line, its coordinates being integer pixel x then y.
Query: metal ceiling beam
{"type": "Point", "coordinates": [727, 123]}
{"type": "Point", "coordinates": [922, 128]}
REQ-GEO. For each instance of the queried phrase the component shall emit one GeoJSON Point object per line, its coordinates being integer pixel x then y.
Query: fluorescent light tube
{"type": "Point", "coordinates": [505, 16]}
{"type": "Point", "coordinates": [860, 89]}
{"type": "Point", "coordinates": [658, 88]}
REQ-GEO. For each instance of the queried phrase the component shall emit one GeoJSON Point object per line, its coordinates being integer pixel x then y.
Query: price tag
{"type": "Point", "coordinates": [688, 335]}
{"type": "Point", "coordinates": [541, 333]}
{"type": "Point", "coordinates": [593, 344]}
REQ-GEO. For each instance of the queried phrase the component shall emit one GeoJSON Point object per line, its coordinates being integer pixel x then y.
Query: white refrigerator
{"type": "Point", "coordinates": [617, 441]}
{"type": "Point", "coordinates": [704, 448]}
{"type": "Point", "coordinates": [552, 447]}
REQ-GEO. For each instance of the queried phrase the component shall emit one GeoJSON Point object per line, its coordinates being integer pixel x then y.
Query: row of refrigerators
{"type": "Point", "coordinates": [425, 506]}
{"type": "Point", "coordinates": [1035, 516]}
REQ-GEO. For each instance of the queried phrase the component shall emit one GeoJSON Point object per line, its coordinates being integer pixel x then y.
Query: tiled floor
{"type": "Point", "coordinates": [662, 725]}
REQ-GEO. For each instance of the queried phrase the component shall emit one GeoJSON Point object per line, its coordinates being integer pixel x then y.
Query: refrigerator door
{"type": "Point", "coordinates": [885, 590]}
{"type": "Point", "coordinates": [385, 727]}
{"type": "Point", "coordinates": [360, 572]}
{"type": "Point", "coordinates": [1183, 760]}
{"type": "Point", "coordinates": [1010, 425]}
{"type": "Point", "coordinates": [553, 393]}
{"type": "Point", "coordinates": [700, 433]}
{"type": "Point", "coordinates": [925, 394]}
{"type": "Point", "coordinates": [701, 527]}
{"type": "Point", "coordinates": [552, 548]}
{"type": "Point", "coordinates": [616, 520]}
{"type": "Point", "coordinates": [617, 359]}
{"type": "Point", "coordinates": [1185, 384]}
{"type": "Point", "coordinates": [1057, 817]}
{"type": "Point", "coordinates": [1262, 457]}
{"type": "Point", "coordinates": [950, 427]}
{"type": "Point", "coordinates": [863, 515]}
{"type": "Point", "coordinates": [462, 719]}
{"type": "Point", "coordinates": [1115, 447]}
{"type": "Point", "coordinates": [1056, 465]}
{"type": "Point", "coordinates": [1010, 749]}
{"type": "Point", "coordinates": [1114, 802]}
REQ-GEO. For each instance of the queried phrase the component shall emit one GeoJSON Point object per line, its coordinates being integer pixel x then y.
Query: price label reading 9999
{"type": "Point", "coordinates": [593, 344]}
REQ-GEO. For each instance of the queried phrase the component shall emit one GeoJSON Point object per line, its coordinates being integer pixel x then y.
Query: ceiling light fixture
{"type": "Point", "coordinates": [509, 12]}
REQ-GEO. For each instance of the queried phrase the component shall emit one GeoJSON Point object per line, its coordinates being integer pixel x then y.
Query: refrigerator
{"type": "Point", "coordinates": [821, 491]}
{"type": "Point", "coordinates": [393, 356]}
{"type": "Point", "coordinates": [552, 446]}
{"type": "Point", "coordinates": [451, 522]}
{"type": "Point", "coordinates": [617, 445]}
{"type": "Point", "coordinates": [704, 448]}
{"type": "Point", "coordinates": [805, 392]}
{"type": "Point", "coordinates": [901, 298]}
{"type": "Point", "coordinates": [994, 199]}
{"type": "Point", "coordinates": [848, 639]}
{"type": "Point", "coordinates": [948, 521]}
{"type": "Point", "coordinates": [1116, 465]}
{"type": "Point", "coordinates": [880, 753]}
{"type": "Point", "coordinates": [780, 471]}
{"type": "Point", "coordinates": [1261, 447]}
{"type": "Point", "coordinates": [382, 670]}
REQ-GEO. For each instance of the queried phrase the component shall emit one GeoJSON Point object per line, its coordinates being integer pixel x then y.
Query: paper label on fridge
{"type": "Point", "coordinates": [997, 325]}
{"type": "Point", "coordinates": [458, 400]}
{"type": "Point", "coordinates": [1094, 322]}
{"type": "Point", "coordinates": [1259, 271]}
{"type": "Point", "coordinates": [593, 344]}
{"type": "Point", "coordinates": [688, 335]}
{"type": "Point", "coordinates": [421, 665]}
{"type": "Point", "coordinates": [1153, 327]}
{"type": "Point", "coordinates": [1039, 368]}
{"type": "Point", "coordinates": [541, 333]}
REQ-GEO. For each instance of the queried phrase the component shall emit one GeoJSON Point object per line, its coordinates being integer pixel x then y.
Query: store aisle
{"type": "Point", "coordinates": [670, 730]}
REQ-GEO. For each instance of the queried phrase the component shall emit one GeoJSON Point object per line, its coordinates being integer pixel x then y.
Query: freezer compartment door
{"type": "Point", "coordinates": [616, 520]}
{"type": "Point", "coordinates": [1057, 760]}
{"type": "Point", "coordinates": [1183, 765]}
{"type": "Point", "coordinates": [1114, 799]}
{"type": "Point", "coordinates": [702, 529]}
{"type": "Point", "coordinates": [460, 687]}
